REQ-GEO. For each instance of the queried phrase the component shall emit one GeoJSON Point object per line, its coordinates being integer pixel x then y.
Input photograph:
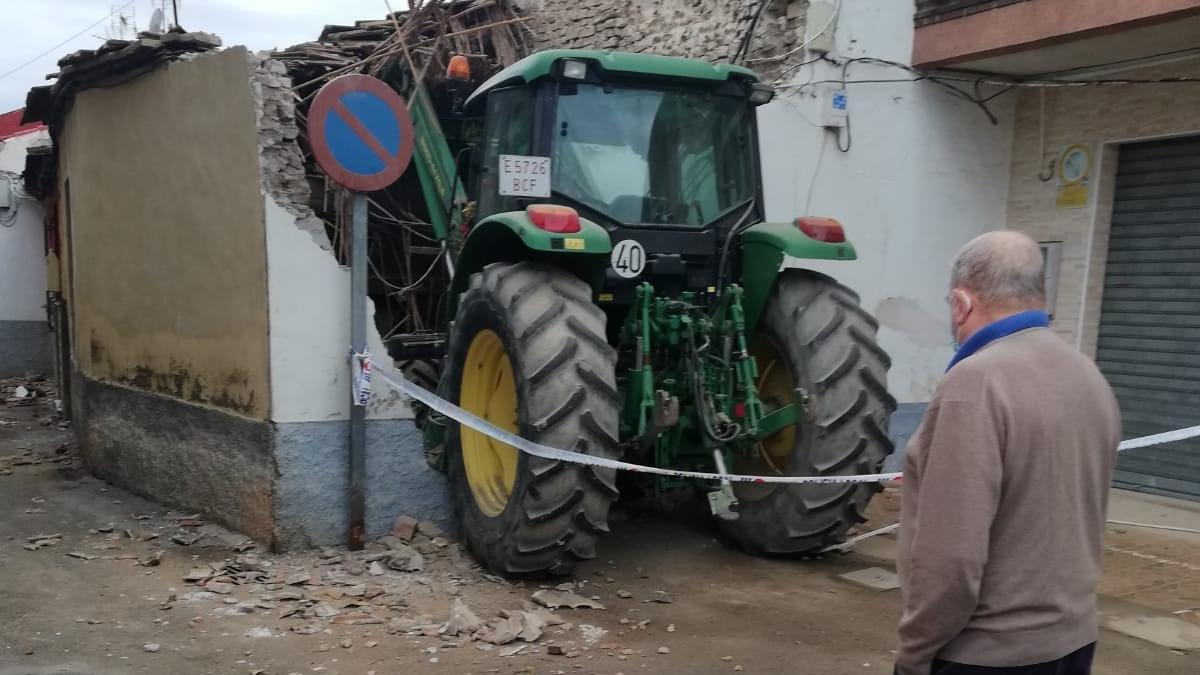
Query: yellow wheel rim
{"type": "Point", "coordinates": [775, 388]}
{"type": "Point", "coordinates": [489, 391]}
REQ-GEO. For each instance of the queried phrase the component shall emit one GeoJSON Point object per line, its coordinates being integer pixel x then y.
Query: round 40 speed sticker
{"type": "Point", "coordinates": [628, 258]}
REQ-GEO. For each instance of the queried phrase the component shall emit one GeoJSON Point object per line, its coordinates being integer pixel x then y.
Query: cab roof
{"type": "Point", "coordinates": [539, 65]}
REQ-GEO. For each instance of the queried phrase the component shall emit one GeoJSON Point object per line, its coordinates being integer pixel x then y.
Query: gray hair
{"type": "Point", "coordinates": [1004, 268]}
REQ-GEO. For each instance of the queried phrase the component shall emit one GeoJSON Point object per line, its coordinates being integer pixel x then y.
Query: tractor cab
{"type": "Point", "coordinates": [661, 152]}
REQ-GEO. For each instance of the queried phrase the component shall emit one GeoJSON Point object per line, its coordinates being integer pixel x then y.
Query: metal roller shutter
{"type": "Point", "coordinates": [1149, 346]}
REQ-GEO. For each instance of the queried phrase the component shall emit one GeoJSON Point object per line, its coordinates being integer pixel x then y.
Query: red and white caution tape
{"type": "Point", "coordinates": [360, 371]}
{"type": "Point", "coordinates": [465, 418]}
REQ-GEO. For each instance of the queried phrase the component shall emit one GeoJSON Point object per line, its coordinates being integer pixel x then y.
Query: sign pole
{"type": "Point", "coordinates": [362, 137]}
{"type": "Point", "coordinates": [358, 340]}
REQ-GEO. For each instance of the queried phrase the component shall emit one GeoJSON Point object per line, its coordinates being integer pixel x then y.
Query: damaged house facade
{"type": "Point", "coordinates": [209, 319]}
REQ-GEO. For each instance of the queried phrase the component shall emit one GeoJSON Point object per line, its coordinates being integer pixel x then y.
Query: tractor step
{"type": "Point", "coordinates": [417, 346]}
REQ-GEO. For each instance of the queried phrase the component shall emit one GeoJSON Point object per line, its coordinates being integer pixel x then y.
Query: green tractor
{"type": "Point", "coordinates": [615, 291]}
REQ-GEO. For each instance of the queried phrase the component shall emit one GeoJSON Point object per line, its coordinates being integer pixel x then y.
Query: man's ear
{"type": "Point", "coordinates": [962, 304]}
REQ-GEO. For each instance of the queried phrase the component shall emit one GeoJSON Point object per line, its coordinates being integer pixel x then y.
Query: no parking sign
{"type": "Point", "coordinates": [360, 132]}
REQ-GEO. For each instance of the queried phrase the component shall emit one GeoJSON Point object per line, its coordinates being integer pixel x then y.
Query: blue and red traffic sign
{"type": "Point", "coordinates": [360, 132]}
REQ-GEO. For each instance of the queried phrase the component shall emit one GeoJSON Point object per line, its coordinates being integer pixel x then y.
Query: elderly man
{"type": "Point", "coordinates": [1005, 484]}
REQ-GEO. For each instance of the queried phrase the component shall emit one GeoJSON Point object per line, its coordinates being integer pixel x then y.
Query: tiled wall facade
{"type": "Point", "coordinates": [1101, 117]}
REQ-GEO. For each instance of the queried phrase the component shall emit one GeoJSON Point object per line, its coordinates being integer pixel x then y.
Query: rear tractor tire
{"type": "Point", "coordinates": [528, 354]}
{"type": "Point", "coordinates": [814, 336]}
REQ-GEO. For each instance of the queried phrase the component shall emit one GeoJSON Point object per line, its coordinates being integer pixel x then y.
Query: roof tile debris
{"type": "Point", "coordinates": [113, 62]}
{"type": "Point", "coordinates": [490, 33]}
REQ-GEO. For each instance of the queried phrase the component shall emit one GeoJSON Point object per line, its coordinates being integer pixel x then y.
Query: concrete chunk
{"type": "Point", "coordinates": [875, 578]}
{"type": "Point", "coordinates": [1161, 630]}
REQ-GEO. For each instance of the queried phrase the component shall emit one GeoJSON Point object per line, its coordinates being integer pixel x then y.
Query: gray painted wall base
{"type": "Point", "coordinates": [24, 347]}
{"type": "Point", "coordinates": [901, 427]}
{"type": "Point", "coordinates": [311, 484]}
{"type": "Point", "coordinates": [285, 485]}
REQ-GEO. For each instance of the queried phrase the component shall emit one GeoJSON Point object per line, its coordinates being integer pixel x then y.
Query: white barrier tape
{"type": "Point", "coordinates": [855, 539]}
{"type": "Point", "coordinates": [463, 417]}
{"type": "Point", "coordinates": [1159, 439]}
{"type": "Point", "coordinates": [538, 450]}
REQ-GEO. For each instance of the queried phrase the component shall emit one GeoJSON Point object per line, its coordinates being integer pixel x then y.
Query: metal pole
{"type": "Point", "coordinates": [358, 339]}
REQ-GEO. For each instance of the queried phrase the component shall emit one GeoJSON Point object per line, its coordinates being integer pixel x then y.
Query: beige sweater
{"type": "Point", "coordinates": [1002, 524]}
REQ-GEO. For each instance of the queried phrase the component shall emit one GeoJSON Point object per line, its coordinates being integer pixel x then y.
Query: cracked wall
{"type": "Point", "coordinates": [308, 291]}
{"type": "Point", "coordinates": [309, 309]}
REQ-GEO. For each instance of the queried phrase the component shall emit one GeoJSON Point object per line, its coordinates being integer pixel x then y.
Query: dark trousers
{"type": "Point", "coordinates": [1078, 662]}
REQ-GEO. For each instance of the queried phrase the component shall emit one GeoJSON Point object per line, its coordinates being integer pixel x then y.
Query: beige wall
{"type": "Point", "coordinates": [166, 241]}
{"type": "Point", "coordinates": [1101, 117]}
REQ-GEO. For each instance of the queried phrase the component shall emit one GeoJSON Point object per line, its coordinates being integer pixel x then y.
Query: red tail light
{"type": "Point", "coordinates": [827, 230]}
{"type": "Point", "coordinates": [554, 218]}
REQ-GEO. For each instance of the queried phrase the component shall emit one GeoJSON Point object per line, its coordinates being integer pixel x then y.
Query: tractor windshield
{"type": "Point", "coordinates": [653, 155]}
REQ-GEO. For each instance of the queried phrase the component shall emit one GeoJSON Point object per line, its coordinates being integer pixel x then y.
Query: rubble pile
{"type": "Point", "coordinates": [375, 586]}
{"type": "Point", "coordinates": [488, 32]}
{"type": "Point", "coordinates": [34, 391]}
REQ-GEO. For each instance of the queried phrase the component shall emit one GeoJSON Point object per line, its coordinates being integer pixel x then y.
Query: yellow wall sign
{"type": "Point", "coordinates": [1074, 177]}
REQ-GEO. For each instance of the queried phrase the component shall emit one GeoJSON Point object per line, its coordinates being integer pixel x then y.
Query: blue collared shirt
{"type": "Point", "coordinates": [1035, 318]}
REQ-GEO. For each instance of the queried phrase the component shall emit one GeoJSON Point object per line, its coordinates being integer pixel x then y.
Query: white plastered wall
{"type": "Point", "coordinates": [22, 247]}
{"type": "Point", "coordinates": [309, 308]}
{"type": "Point", "coordinates": [925, 173]}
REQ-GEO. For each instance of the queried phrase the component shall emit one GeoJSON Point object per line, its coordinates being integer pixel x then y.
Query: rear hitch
{"type": "Point", "coordinates": [722, 502]}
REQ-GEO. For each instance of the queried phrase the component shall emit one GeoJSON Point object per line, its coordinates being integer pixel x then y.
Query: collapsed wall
{"type": "Point", "coordinates": [308, 308]}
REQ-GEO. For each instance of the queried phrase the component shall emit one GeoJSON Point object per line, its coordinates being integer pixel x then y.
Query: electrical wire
{"type": "Point", "coordinates": [748, 36]}
{"type": "Point", "coordinates": [812, 183]}
{"type": "Point", "coordinates": [787, 72]}
{"type": "Point", "coordinates": [803, 45]}
{"type": "Point", "coordinates": [849, 137]}
{"type": "Point", "coordinates": [59, 45]}
{"type": "Point", "coordinates": [401, 290]}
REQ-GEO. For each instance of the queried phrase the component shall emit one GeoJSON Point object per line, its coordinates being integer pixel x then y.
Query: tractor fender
{"type": "Point", "coordinates": [770, 248]}
{"type": "Point", "coordinates": [512, 237]}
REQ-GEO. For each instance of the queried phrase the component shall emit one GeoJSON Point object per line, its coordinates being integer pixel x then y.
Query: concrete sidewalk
{"type": "Point", "coordinates": [1151, 584]}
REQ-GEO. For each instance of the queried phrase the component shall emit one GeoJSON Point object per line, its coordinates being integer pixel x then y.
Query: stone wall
{"type": "Point", "coordinates": [703, 29]}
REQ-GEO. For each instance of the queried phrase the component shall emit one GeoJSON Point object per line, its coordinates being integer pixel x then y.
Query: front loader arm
{"type": "Point", "coordinates": [442, 187]}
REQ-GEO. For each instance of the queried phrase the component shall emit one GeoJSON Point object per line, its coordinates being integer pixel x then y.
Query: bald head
{"type": "Point", "coordinates": [1003, 269]}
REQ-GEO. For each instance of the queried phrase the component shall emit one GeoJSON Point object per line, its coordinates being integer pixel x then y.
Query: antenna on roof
{"type": "Point", "coordinates": [168, 9]}
{"type": "Point", "coordinates": [123, 24]}
{"type": "Point", "coordinates": [156, 21]}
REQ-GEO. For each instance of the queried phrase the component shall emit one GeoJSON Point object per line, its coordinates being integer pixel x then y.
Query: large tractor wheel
{"type": "Point", "coordinates": [528, 354]}
{"type": "Point", "coordinates": [814, 343]}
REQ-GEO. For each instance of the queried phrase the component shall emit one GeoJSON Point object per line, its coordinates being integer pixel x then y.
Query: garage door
{"type": "Point", "coordinates": [1149, 345]}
